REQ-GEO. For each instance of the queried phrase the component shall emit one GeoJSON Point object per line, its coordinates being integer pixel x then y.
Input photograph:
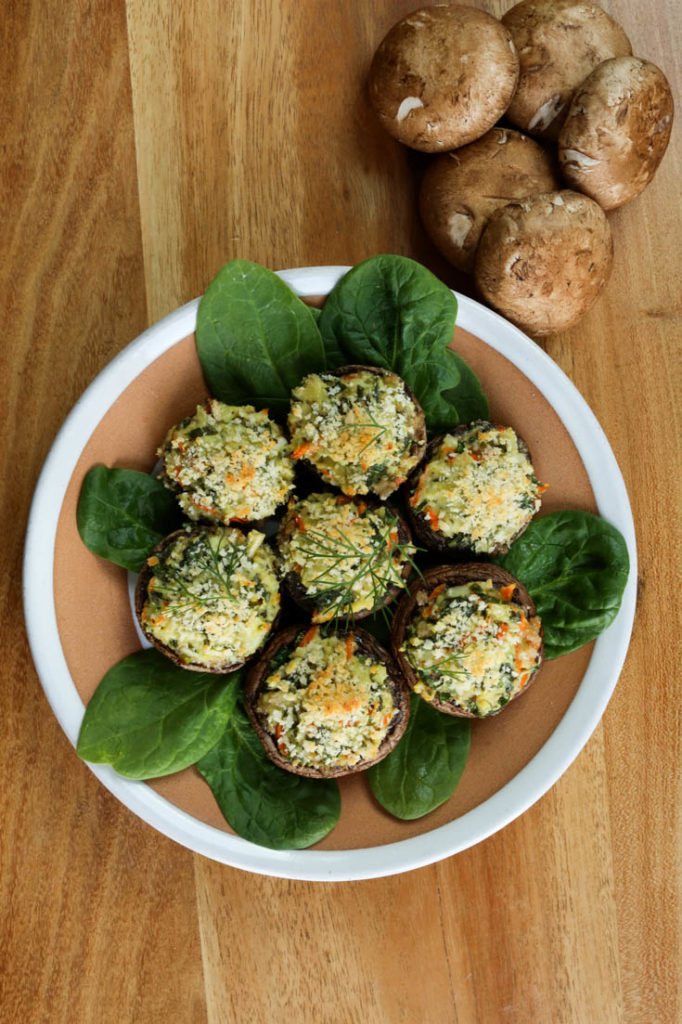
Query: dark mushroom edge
{"type": "Point", "coordinates": [364, 643]}
{"type": "Point", "coordinates": [417, 446]}
{"type": "Point", "coordinates": [417, 598]}
{"type": "Point", "coordinates": [142, 593]}
{"type": "Point", "coordinates": [312, 603]}
{"type": "Point", "coordinates": [433, 538]}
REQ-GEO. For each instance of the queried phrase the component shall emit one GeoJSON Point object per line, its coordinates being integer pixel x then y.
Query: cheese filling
{"type": "Point", "coordinates": [357, 430]}
{"type": "Point", "coordinates": [346, 555]}
{"type": "Point", "coordinates": [228, 463]}
{"type": "Point", "coordinates": [213, 596]}
{"type": "Point", "coordinates": [478, 490]}
{"type": "Point", "coordinates": [326, 703]}
{"type": "Point", "coordinates": [471, 645]}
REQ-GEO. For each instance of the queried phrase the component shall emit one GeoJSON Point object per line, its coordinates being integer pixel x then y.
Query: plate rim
{"type": "Point", "coordinates": [509, 802]}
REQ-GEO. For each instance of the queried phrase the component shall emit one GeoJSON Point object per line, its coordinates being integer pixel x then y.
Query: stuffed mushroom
{"type": "Point", "coordinates": [208, 597]}
{"type": "Point", "coordinates": [359, 427]}
{"type": "Point", "coordinates": [476, 490]}
{"type": "Point", "coordinates": [343, 557]}
{"type": "Point", "coordinates": [326, 704]}
{"type": "Point", "coordinates": [468, 639]}
{"type": "Point", "coordinates": [228, 463]}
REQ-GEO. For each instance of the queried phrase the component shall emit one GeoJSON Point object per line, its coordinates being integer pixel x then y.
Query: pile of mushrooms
{"type": "Point", "coordinates": [493, 199]}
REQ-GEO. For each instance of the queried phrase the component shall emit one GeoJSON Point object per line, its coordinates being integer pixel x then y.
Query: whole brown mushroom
{"type": "Point", "coordinates": [461, 190]}
{"type": "Point", "coordinates": [617, 130]}
{"type": "Point", "coordinates": [443, 76]}
{"type": "Point", "coordinates": [559, 42]}
{"type": "Point", "coordinates": [542, 262]}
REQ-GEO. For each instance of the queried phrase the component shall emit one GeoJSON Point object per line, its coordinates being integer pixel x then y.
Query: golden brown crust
{"type": "Point", "coordinates": [617, 130]}
{"type": "Point", "coordinates": [419, 429]}
{"type": "Point", "coordinates": [292, 579]}
{"type": "Point", "coordinates": [367, 644]}
{"type": "Point", "coordinates": [542, 262]}
{"type": "Point", "coordinates": [460, 191]}
{"type": "Point", "coordinates": [143, 579]}
{"type": "Point", "coordinates": [559, 43]}
{"type": "Point", "coordinates": [443, 76]}
{"type": "Point", "coordinates": [456, 575]}
{"type": "Point", "coordinates": [423, 531]}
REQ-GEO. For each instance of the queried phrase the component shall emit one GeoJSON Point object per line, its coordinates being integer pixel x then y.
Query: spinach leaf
{"type": "Point", "coordinates": [391, 312]}
{"type": "Point", "coordinates": [575, 566]}
{"type": "Point", "coordinates": [260, 801]}
{"type": "Point", "coordinates": [123, 514]}
{"type": "Point", "coordinates": [425, 767]}
{"type": "Point", "coordinates": [149, 718]}
{"type": "Point", "coordinates": [255, 338]}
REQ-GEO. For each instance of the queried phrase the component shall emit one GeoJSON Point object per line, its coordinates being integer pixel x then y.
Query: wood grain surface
{"type": "Point", "coordinates": [143, 145]}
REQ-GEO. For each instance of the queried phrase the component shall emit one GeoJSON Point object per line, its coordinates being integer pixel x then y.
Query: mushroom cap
{"type": "Point", "coordinates": [141, 589]}
{"type": "Point", "coordinates": [559, 42]}
{"type": "Point", "coordinates": [443, 76]}
{"type": "Point", "coordinates": [436, 540]}
{"type": "Point", "coordinates": [310, 603]}
{"type": "Point", "coordinates": [452, 576]}
{"type": "Point", "coordinates": [461, 190]}
{"type": "Point", "coordinates": [542, 262]}
{"type": "Point", "coordinates": [617, 130]}
{"type": "Point", "coordinates": [369, 646]}
{"type": "Point", "coordinates": [417, 447]}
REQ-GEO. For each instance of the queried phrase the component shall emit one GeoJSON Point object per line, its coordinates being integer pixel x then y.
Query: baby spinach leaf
{"type": "Point", "coordinates": [123, 514]}
{"type": "Point", "coordinates": [423, 770]}
{"type": "Point", "coordinates": [575, 566]}
{"type": "Point", "coordinates": [149, 718]}
{"type": "Point", "coordinates": [392, 312]}
{"type": "Point", "coordinates": [260, 801]}
{"type": "Point", "coordinates": [255, 338]}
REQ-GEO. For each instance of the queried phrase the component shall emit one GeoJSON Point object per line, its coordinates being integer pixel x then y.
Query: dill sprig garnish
{"type": "Point", "coordinates": [217, 564]}
{"type": "Point", "coordinates": [381, 430]}
{"type": "Point", "coordinates": [374, 570]}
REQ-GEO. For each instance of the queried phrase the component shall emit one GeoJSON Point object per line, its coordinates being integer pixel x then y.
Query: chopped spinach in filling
{"type": "Point", "coordinates": [478, 489]}
{"type": "Point", "coordinates": [357, 430]}
{"type": "Point", "coordinates": [213, 596]}
{"type": "Point", "coordinates": [326, 703]}
{"type": "Point", "coordinates": [471, 645]}
{"type": "Point", "coordinates": [228, 463]}
{"type": "Point", "coordinates": [346, 554]}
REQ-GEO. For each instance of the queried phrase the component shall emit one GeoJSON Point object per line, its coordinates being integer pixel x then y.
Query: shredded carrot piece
{"type": "Point", "coordinates": [431, 516]}
{"type": "Point", "coordinates": [523, 626]}
{"type": "Point", "coordinates": [524, 679]}
{"type": "Point", "coordinates": [542, 488]}
{"type": "Point", "coordinates": [303, 450]}
{"type": "Point", "coordinates": [506, 593]}
{"type": "Point", "coordinates": [362, 508]}
{"type": "Point", "coordinates": [310, 635]}
{"type": "Point", "coordinates": [349, 646]}
{"type": "Point", "coordinates": [153, 560]}
{"type": "Point", "coordinates": [432, 600]}
{"type": "Point", "coordinates": [475, 456]}
{"type": "Point", "coordinates": [504, 628]}
{"type": "Point", "coordinates": [300, 525]}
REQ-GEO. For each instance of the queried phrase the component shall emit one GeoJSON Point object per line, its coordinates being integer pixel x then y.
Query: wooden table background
{"type": "Point", "coordinates": [143, 145]}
